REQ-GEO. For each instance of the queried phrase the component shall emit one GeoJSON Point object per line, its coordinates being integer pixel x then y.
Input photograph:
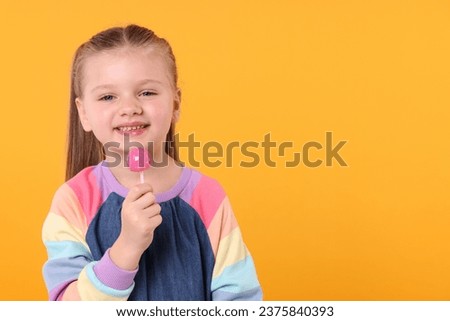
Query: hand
{"type": "Point", "coordinates": [140, 217]}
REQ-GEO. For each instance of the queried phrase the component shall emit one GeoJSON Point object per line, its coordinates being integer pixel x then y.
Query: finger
{"type": "Point", "coordinates": [137, 191]}
{"type": "Point", "coordinates": [154, 210]}
{"type": "Point", "coordinates": [145, 200]}
{"type": "Point", "coordinates": [155, 220]}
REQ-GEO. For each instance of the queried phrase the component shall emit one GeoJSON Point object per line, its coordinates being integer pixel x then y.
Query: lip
{"type": "Point", "coordinates": [134, 132]}
{"type": "Point", "coordinates": [132, 124]}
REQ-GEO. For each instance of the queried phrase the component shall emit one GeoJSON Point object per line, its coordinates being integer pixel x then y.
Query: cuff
{"type": "Point", "coordinates": [111, 275]}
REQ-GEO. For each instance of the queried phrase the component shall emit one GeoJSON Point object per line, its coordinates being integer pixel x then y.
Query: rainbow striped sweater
{"type": "Point", "coordinates": [197, 252]}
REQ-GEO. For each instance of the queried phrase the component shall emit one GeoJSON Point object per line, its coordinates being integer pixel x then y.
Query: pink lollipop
{"type": "Point", "coordinates": [138, 161]}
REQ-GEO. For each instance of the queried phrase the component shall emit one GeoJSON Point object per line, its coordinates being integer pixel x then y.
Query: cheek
{"type": "Point", "coordinates": [100, 121]}
{"type": "Point", "coordinates": [161, 125]}
{"type": "Point", "coordinates": [162, 117]}
{"type": "Point", "coordinates": [100, 115]}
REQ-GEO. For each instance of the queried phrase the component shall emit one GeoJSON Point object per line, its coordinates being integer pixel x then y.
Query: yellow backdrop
{"type": "Point", "coordinates": [373, 73]}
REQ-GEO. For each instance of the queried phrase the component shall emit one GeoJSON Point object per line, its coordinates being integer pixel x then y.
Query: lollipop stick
{"type": "Point", "coordinates": [141, 174]}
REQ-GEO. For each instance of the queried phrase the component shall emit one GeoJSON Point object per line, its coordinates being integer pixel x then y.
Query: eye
{"type": "Point", "coordinates": [107, 97]}
{"type": "Point", "coordinates": [148, 93]}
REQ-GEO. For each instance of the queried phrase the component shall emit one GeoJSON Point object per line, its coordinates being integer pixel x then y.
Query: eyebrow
{"type": "Point", "coordinates": [143, 82]}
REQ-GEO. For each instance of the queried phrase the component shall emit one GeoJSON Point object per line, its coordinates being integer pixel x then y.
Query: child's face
{"type": "Point", "coordinates": [127, 92]}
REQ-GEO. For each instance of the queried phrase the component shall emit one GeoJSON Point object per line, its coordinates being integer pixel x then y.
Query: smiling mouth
{"type": "Point", "coordinates": [128, 129]}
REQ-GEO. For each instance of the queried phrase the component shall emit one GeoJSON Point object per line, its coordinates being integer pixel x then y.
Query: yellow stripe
{"type": "Point", "coordinates": [231, 250]}
{"type": "Point", "coordinates": [57, 228]}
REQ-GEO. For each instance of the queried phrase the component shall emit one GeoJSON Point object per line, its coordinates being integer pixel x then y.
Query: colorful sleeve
{"type": "Point", "coordinates": [234, 274]}
{"type": "Point", "coordinates": [70, 272]}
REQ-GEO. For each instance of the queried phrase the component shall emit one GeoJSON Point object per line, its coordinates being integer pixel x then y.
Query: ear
{"type": "Point", "coordinates": [176, 106]}
{"type": "Point", "coordinates": [82, 114]}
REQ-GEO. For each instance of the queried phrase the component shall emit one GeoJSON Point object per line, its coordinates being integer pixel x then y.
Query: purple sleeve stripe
{"type": "Point", "coordinates": [111, 275]}
{"type": "Point", "coordinates": [249, 295]}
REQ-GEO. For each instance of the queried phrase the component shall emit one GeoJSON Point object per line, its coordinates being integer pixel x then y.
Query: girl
{"type": "Point", "coordinates": [109, 237]}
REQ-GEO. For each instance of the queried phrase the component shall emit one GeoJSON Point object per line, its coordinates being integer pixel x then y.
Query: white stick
{"type": "Point", "coordinates": [142, 176]}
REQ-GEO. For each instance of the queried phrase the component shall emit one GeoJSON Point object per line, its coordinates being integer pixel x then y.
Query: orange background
{"type": "Point", "coordinates": [375, 73]}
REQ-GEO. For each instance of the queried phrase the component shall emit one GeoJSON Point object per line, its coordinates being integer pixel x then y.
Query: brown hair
{"type": "Point", "coordinates": [83, 147]}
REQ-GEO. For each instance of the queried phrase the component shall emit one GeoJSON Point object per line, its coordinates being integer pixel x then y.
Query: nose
{"type": "Point", "coordinates": [130, 106]}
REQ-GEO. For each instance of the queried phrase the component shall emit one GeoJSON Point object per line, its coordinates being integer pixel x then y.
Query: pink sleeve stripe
{"type": "Point", "coordinates": [66, 204]}
{"type": "Point", "coordinates": [206, 199]}
{"type": "Point", "coordinates": [85, 187]}
{"type": "Point", "coordinates": [223, 223]}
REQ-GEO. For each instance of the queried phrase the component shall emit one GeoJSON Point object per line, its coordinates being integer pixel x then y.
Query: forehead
{"type": "Point", "coordinates": [125, 65]}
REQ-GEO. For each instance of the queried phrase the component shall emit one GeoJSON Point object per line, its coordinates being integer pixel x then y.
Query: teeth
{"type": "Point", "coordinates": [129, 128]}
